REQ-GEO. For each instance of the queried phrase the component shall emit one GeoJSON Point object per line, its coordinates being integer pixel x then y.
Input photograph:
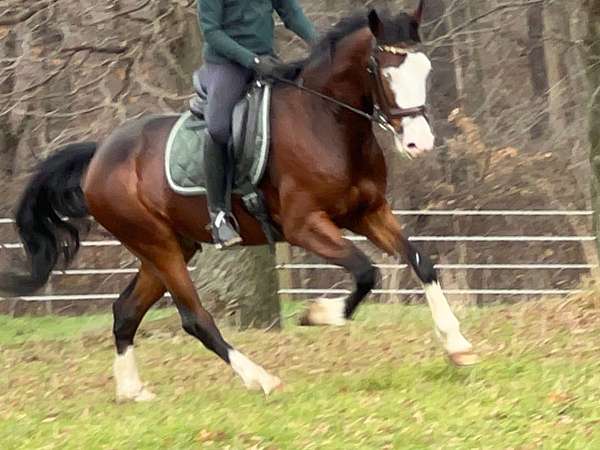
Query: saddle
{"type": "Point", "coordinates": [245, 126]}
{"type": "Point", "coordinates": [184, 156]}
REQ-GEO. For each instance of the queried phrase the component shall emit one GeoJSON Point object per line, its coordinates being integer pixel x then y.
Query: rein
{"type": "Point", "coordinates": [379, 119]}
{"type": "Point", "coordinates": [383, 111]}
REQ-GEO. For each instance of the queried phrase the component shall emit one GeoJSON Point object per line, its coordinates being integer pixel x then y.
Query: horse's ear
{"type": "Point", "coordinates": [375, 23]}
{"type": "Point", "coordinates": [418, 14]}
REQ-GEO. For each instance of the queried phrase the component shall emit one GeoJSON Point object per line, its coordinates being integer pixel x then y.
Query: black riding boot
{"type": "Point", "coordinates": [222, 222]}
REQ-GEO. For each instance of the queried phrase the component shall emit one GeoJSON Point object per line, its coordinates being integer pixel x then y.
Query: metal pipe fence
{"type": "Point", "coordinates": [534, 266]}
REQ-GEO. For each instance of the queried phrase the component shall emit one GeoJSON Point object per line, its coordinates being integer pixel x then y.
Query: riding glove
{"type": "Point", "coordinates": [268, 66]}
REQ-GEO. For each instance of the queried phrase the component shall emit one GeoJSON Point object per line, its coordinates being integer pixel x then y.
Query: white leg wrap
{"type": "Point", "coordinates": [127, 378]}
{"type": "Point", "coordinates": [446, 324]}
{"type": "Point", "coordinates": [253, 375]}
{"type": "Point", "coordinates": [327, 311]}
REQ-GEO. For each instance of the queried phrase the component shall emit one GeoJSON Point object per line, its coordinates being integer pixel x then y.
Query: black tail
{"type": "Point", "coordinates": [54, 193]}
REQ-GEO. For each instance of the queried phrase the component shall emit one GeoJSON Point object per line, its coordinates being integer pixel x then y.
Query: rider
{"type": "Point", "coordinates": [238, 37]}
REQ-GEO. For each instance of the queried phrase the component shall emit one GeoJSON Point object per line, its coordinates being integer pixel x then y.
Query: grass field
{"type": "Point", "coordinates": [379, 383]}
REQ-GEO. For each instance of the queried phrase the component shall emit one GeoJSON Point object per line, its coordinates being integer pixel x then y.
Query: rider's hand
{"type": "Point", "coordinates": [268, 66]}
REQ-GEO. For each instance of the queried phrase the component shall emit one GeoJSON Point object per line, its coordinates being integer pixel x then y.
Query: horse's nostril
{"type": "Point", "coordinates": [412, 146]}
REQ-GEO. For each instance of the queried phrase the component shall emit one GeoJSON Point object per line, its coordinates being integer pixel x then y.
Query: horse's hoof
{"type": "Point", "coordinates": [324, 311]}
{"type": "Point", "coordinates": [143, 395]}
{"type": "Point", "coordinates": [273, 384]}
{"type": "Point", "coordinates": [464, 359]}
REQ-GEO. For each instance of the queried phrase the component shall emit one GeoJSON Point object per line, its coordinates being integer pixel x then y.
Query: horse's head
{"type": "Point", "coordinates": [399, 76]}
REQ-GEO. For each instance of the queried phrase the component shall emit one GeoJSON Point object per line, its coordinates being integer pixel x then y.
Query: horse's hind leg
{"type": "Point", "coordinates": [128, 311]}
{"type": "Point", "coordinates": [165, 254]}
{"type": "Point", "coordinates": [200, 324]}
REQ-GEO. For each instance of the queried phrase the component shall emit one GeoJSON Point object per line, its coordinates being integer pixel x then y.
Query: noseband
{"type": "Point", "coordinates": [386, 109]}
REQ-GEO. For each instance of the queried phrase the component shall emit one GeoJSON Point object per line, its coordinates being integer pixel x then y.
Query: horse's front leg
{"type": "Point", "coordinates": [316, 233]}
{"type": "Point", "coordinates": [381, 227]}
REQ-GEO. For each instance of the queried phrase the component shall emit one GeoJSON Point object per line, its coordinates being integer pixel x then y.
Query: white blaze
{"type": "Point", "coordinates": [408, 82]}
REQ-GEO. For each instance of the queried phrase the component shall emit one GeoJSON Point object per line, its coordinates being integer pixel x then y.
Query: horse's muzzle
{"type": "Point", "coordinates": [416, 136]}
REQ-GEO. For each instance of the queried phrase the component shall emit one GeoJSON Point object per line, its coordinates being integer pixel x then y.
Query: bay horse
{"type": "Point", "coordinates": [326, 173]}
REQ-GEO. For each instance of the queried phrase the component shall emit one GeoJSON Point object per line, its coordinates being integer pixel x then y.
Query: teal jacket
{"type": "Point", "coordinates": [240, 30]}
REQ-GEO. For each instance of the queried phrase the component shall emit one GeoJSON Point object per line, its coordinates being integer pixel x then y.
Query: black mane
{"type": "Point", "coordinates": [400, 27]}
{"type": "Point", "coordinates": [345, 27]}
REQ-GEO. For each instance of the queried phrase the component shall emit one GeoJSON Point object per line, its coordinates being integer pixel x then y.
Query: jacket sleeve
{"type": "Point", "coordinates": [210, 18]}
{"type": "Point", "coordinates": [294, 19]}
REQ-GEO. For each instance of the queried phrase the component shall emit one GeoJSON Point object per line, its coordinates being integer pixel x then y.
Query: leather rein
{"type": "Point", "coordinates": [385, 110]}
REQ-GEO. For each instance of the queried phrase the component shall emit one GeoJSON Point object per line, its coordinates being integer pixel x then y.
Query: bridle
{"type": "Point", "coordinates": [384, 110]}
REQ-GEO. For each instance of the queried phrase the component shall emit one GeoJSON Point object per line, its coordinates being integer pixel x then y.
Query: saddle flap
{"type": "Point", "coordinates": [239, 122]}
{"type": "Point", "coordinates": [250, 131]}
{"type": "Point", "coordinates": [184, 154]}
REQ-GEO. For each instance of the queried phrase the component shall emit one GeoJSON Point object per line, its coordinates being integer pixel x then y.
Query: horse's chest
{"type": "Point", "coordinates": [358, 197]}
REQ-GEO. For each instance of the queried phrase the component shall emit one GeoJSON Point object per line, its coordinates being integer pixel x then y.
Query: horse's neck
{"type": "Point", "coordinates": [345, 77]}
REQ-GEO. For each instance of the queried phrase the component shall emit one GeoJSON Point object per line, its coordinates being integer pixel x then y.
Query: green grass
{"type": "Point", "coordinates": [28, 329]}
{"type": "Point", "coordinates": [381, 382]}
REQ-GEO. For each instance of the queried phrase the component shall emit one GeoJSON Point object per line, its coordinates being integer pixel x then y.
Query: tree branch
{"type": "Point", "coordinates": [25, 15]}
{"type": "Point", "coordinates": [95, 49]}
{"type": "Point", "coordinates": [122, 13]}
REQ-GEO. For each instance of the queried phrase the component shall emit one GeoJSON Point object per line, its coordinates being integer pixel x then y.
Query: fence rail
{"type": "Point", "coordinates": [530, 266]}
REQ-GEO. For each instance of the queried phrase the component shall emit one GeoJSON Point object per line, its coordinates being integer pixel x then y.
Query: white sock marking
{"type": "Point", "coordinates": [253, 375]}
{"type": "Point", "coordinates": [447, 326]}
{"type": "Point", "coordinates": [127, 378]}
{"type": "Point", "coordinates": [327, 311]}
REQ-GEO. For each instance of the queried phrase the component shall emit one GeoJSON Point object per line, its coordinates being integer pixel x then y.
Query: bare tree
{"type": "Point", "coordinates": [537, 65]}
{"type": "Point", "coordinates": [593, 62]}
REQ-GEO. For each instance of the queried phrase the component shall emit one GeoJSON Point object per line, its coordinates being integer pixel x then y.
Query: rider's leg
{"type": "Point", "coordinates": [226, 84]}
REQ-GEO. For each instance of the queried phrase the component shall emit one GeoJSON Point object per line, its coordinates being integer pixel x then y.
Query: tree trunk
{"type": "Point", "coordinates": [593, 41]}
{"type": "Point", "coordinates": [8, 138]}
{"type": "Point", "coordinates": [537, 67]}
{"type": "Point", "coordinates": [475, 72]}
{"type": "Point", "coordinates": [557, 37]}
{"type": "Point", "coordinates": [239, 286]}
{"type": "Point", "coordinates": [443, 78]}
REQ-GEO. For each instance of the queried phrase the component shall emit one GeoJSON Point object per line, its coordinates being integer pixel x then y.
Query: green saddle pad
{"type": "Point", "coordinates": [184, 156]}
